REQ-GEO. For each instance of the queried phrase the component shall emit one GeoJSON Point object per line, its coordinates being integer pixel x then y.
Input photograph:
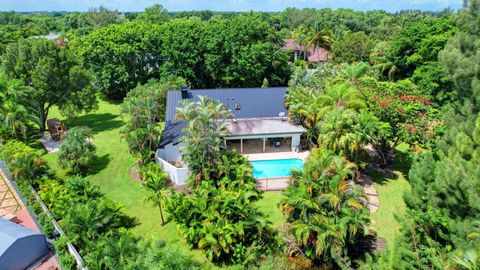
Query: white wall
{"type": "Point", "coordinates": [296, 142]}
{"type": "Point", "coordinates": [177, 175]}
{"type": "Point", "coordinates": [170, 152]}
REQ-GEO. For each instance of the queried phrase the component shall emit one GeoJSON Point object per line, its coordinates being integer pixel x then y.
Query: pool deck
{"type": "Point", "coordinates": [277, 155]}
{"type": "Point", "coordinates": [278, 183]}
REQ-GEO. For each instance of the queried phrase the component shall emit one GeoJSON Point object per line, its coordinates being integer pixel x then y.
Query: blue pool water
{"type": "Point", "coordinates": [275, 168]}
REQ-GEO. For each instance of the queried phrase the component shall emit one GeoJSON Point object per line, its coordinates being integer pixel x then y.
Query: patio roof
{"type": "Point", "coordinates": [261, 126]}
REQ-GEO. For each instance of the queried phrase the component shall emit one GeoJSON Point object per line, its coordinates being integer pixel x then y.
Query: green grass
{"type": "Point", "coordinates": [390, 193]}
{"type": "Point", "coordinates": [112, 174]}
{"type": "Point", "coordinates": [269, 206]}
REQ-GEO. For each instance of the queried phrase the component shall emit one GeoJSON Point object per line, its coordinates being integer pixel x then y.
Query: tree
{"type": "Point", "coordinates": [346, 131]}
{"type": "Point", "coordinates": [462, 51]}
{"type": "Point", "coordinates": [419, 43]}
{"type": "Point", "coordinates": [324, 209]}
{"type": "Point", "coordinates": [121, 56]}
{"type": "Point", "coordinates": [54, 76]}
{"type": "Point", "coordinates": [154, 14]}
{"type": "Point", "coordinates": [14, 115]}
{"type": "Point", "coordinates": [145, 107]}
{"type": "Point", "coordinates": [239, 52]}
{"type": "Point", "coordinates": [77, 151]}
{"type": "Point", "coordinates": [319, 37]}
{"type": "Point", "coordinates": [155, 184]}
{"type": "Point", "coordinates": [203, 140]}
{"type": "Point", "coordinates": [221, 218]}
{"type": "Point", "coordinates": [183, 49]}
{"type": "Point", "coordinates": [354, 47]}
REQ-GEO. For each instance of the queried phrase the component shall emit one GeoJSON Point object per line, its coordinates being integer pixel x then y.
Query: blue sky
{"type": "Point", "coordinates": [223, 5]}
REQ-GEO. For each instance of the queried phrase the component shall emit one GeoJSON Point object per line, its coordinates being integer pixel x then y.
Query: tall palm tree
{"type": "Point", "coordinates": [203, 141]}
{"type": "Point", "coordinates": [319, 37]}
{"type": "Point", "coordinates": [155, 184]}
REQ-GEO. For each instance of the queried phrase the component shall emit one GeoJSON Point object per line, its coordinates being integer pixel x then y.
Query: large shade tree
{"type": "Point", "coordinates": [54, 76]}
{"type": "Point", "coordinates": [122, 55]}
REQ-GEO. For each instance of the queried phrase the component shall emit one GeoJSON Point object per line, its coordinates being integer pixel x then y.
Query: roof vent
{"type": "Point", "coordinates": [184, 91]}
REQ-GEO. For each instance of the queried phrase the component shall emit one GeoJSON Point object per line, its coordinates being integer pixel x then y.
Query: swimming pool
{"type": "Point", "coordinates": [275, 168]}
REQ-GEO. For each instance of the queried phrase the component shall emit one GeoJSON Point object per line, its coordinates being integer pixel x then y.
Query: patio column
{"type": "Point", "coordinates": [241, 146]}
{"type": "Point", "coordinates": [264, 139]}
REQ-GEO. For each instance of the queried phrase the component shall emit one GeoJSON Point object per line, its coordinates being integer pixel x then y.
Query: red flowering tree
{"type": "Point", "coordinates": [405, 117]}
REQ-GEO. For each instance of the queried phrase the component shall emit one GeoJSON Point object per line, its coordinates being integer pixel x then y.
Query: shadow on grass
{"type": "Point", "coordinates": [98, 122]}
{"type": "Point", "coordinates": [402, 162]}
{"type": "Point", "coordinates": [99, 164]}
{"type": "Point", "coordinates": [380, 178]}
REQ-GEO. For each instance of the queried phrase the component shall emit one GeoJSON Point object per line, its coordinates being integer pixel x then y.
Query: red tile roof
{"type": "Point", "coordinates": [314, 55]}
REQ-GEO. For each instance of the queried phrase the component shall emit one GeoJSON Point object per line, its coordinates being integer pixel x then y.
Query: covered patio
{"type": "Point", "coordinates": [273, 135]}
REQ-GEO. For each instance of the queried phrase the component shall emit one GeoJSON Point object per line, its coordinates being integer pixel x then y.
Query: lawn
{"type": "Point", "coordinates": [112, 173]}
{"type": "Point", "coordinates": [390, 193]}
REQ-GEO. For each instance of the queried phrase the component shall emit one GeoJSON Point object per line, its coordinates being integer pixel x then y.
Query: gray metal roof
{"type": "Point", "coordinates": [253, 102]}
{"type": "Point", "coordinates": [20, 247]}
{"type": "Point", "coordinates": [244, 103]}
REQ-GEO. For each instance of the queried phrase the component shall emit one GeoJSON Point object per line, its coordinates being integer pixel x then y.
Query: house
{"type": "Point", "coordinates": [298, 52]}
{"type": "Point", "coordinates": [259, 124]}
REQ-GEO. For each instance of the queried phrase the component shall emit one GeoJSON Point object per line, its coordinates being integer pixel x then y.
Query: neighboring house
{"type": "Point", "coordinates": [55, 37]}
{"type": "Point", "coordinates": [298, 52]}
{"type": "Point", "coordinates": [259, 124]}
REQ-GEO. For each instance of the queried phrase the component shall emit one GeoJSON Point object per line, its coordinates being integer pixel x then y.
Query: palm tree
{"type": "Point", "coordinates": [338, 96]}
{"type": "Point", "coordinates": [470, 260]}
{"type": "Point", "coordinates": [155, 184]}
{"type": "Point", "coordinates": [205, 128]}
{"type": "Point", "coordinates": [319, 37]}
{"type": "Point", "coordinates": [14, 116]}
{"type": "Point", "coordinates": [324, 208]}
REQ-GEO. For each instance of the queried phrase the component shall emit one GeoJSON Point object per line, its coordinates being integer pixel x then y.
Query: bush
{"type": "Point", "coordinates": [22, 161]}
{"type": "Point", "coordinates": [77, 150]}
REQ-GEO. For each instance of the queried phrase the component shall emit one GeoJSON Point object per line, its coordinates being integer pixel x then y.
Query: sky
{"type": "Point", "coordinates": [225, 5]}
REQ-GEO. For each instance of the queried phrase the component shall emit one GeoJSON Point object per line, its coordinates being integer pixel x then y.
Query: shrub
{"type": "Point", "coordinates": [77, 151]}
{"type": "Point", "coordinates": [22, 161]}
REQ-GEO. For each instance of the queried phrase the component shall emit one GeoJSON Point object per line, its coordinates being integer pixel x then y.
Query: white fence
{"type": "Point", "coordinates": [177, 175]}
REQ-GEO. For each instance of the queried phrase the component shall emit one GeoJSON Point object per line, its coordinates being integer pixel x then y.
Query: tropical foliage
{"type": "Point", "coordinates": [77, 150]}
{"type": "Point", "coordinates": [155, 183]}
{"type": "Point", "coordinates": [144, 108]}
{"type": "Point", "coordinates": [325, 209]}
{"type": "Point", "coordinates": [220, 216]}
